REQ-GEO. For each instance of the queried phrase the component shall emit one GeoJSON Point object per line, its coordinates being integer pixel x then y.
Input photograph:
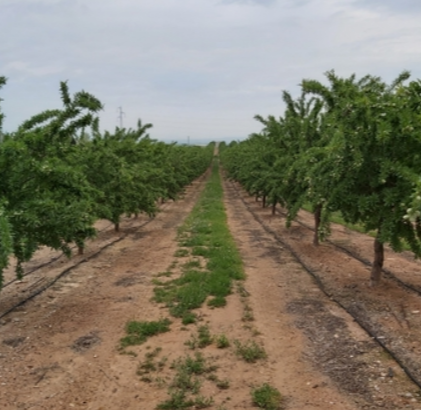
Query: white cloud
{"type": "Point", "coordinates": [202, 67]}
{"type": "Point", "coordinates": [24, 70]}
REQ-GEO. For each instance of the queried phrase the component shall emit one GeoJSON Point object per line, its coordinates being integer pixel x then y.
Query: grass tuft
{"type": "Point", "coordinates": [222, 342]}
{"type": "Point", "coordinates": [250, 351]}
{"type": "Point", "coordinates": [267, 397]}
{"type": "Point", "coordinates": [139, 332]}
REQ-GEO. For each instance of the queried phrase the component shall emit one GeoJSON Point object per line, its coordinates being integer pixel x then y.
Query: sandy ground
{"type": "Point", "coordinates": [60, 350]}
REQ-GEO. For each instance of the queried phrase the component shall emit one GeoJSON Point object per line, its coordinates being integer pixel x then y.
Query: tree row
{"type": "Point", "coordinates": [351, 145]}
{"type": "Point", "coordinates": [60, 174]}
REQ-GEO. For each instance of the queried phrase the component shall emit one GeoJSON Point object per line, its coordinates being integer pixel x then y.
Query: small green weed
{"type": "Point", "coordinates": [158, 282]}
{"type": "Point", "coordinates": [204, 337]}
{"type": "Point", "coordinates": [218, 301]}
{"type": "Point", "coordinates": [242, 290]}
{"type": "Point", "coordinates": [160, 382]}
{"type": "Point", "coordinates": [154, 353]}
{"type": "Point", "coordinates": [267, 397]}
{"type": "Point", "coordinates": [247, 314]}
{"type": "Point", "coordinates": [213, 377]}
{"type": "Point", "coordinates": [202, 402]}
{"type": "Point", "coordinates": [138, 332]}
{"type": "Point", "coordinates": [166, 274]}
{"type": "Point", "coordinates": [223, 384]}
{"type": "Point", "coordinates": [148, 365]}
{"type": "Point", "coordinates": [195, 263]}
{"type": "Point", "coordinates": [189, 318]}
{"type": "Point", "coordinates": [191, 343]}
{"type": "Point", "coordinates": [127, 352]}
{"type": "Point", "coordinates": [186, 381]}
{"type": "Point", "coordinates": [250, 351]}
{"type": "Point", "coordinates": [222, 342]}
{"type": "Point", "coordinates": [191, 365]}
{"type": "Point", "coordinates": [177, 401]}
{"type": "Point", "coordinates": [181, 252]}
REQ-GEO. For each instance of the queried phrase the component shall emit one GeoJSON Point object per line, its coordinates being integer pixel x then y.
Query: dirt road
{"type": "Point", "coordinates": [60, 350]}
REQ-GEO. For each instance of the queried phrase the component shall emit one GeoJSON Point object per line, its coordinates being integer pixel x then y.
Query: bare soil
{"type": "Point", "coordinates": [60, 350]}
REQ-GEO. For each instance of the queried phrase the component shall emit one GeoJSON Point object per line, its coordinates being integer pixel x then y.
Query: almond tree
{"type": "Point", "coordinates": [371, 159]}
{"type": "Point", "coordinates": [292, 136]}
{"type": "Point", "coordinates": [6, 244]}
{"type": "Point", "coordinates": [48, 201]}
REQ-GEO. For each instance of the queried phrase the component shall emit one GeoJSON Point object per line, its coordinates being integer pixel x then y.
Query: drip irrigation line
{"type": "Point", "coordinates": [59, 276]}
{"type": "Point", "coordinates": [66, 271]}
{"type": "Point", "coordinates": [322, 287]}
{"type": "Point", "coordinates": [364, 261]}
{"type": "Point", "coordinates": [44, 264]}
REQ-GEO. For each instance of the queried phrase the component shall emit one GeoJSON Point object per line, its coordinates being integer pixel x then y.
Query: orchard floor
{"type": "Point", "coordinates": [60, 350]}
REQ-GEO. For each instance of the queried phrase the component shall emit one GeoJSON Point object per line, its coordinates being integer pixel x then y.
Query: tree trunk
{"type": "Point", "coordinates": [136, 215]}
{"type": "Point", "coordinates": [264, 201]}
{"type": "Point", "coordinates": [274, 208]}
{"type": "Point", "coordinates": [117, 227]}
{"type": "Point", "coordinates": [257, 198]}
{"type": "Point", "coordinates": [376, 271]}
{"type": "Point", "coordinates": [317, 219]}
{"type": "Point", "coordinates": [80, 250]}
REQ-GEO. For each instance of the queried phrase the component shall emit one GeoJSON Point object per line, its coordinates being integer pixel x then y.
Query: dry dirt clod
{"type": "Point", "coordinates": [84, 343]}
{"type": "Point", "coordinates": [14, 341]}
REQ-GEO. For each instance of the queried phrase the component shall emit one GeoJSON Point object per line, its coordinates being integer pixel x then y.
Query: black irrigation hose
{"type": "Point", "coordinates": [364, 261]}
{"type": "Point", "coordinates": [65, 272]}
{"type": "Point", "coordinates": [329, 295]}
{"type": "Point", "coordinates": [42, 265]}
{"type": "Point", "coordinates": [60, 275]}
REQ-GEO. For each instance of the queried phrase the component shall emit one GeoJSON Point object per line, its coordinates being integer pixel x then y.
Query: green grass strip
{"type": "Point", "coordinates": [205, 233]}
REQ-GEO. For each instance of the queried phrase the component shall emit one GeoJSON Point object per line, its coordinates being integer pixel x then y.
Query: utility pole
{"type": "Point", "coordinates": [121, 113]}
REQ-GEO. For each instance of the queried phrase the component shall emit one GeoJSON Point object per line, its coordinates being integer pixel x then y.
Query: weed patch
{"type": "Point", "coordinates": [189, 318]}
{"type": "Point", "coordinates": [250, 351]}
{"type": "Point", "coordinates": [166, 273]}
{"type": "Point", "coordinates": [203, 338]}
{"type": "Point", "coordinates": [186, 383]}
{"type": "Point", "coordinates": [222, 342]}
{"type": "Point", "coordinates": [177, 401]}
{"type": "Point", "coordinates": [247, 313]}
{"type": "Point", "coordinates": [218, 301]}
{"type": "Point", "coordinates": [180, 253]}
{"type": "Point", "coordinates": [138, 332]}
{"type": "Point", "coordinates": [206, 233]}
{"type": "Point", "coordinates": [267, 397]}
{"type": "Point", "coordinates": [149, 365]}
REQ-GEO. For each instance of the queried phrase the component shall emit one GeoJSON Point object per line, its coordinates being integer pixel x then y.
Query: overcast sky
{"type": "Point", "coordinates": [198, 68]}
